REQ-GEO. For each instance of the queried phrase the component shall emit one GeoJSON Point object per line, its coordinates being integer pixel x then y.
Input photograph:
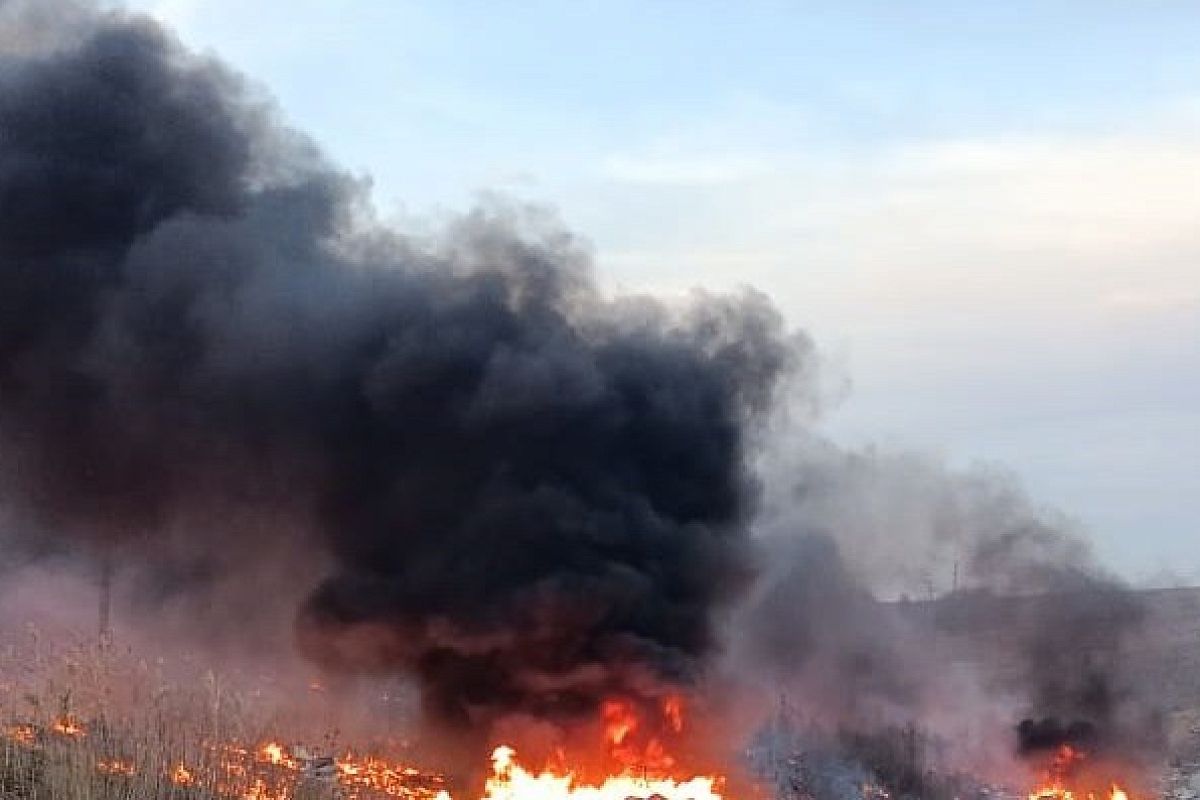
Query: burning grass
{"type": "Point", "coordinates": [103, 724]}
{"type": "Point", "coordinates": [1070, 774]}
{"type": "Point", "coordinates": [99, 762]}
{"type": "Point", "coordinates": [83, 722]}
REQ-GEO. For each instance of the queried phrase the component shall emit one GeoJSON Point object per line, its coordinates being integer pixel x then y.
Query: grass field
{"type": "Point", "coordinates": [87, 721]}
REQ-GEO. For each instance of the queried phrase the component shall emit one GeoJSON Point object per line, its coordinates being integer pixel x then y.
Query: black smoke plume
{"type": "Point", "coordinates": [1050, 733]}
{"type": "Point", "coordinates": [214, 366]}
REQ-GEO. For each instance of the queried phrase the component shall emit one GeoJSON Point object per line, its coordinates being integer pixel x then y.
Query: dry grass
{"type": "Point", "coordinates": [85, 722]}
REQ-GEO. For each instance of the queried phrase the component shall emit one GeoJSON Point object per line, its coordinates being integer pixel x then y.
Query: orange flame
{"type": "Point", "coordinates": [620, 721]}
{"type": "Point", "coordinates": [631, 744]}
{"type": "Point", "coordinates": [21, 734]}
{"type": "Point", "coordinates": [673, 712]}
{"type": "Point", "coordinates": [1059, 792]}
{"type": "Point", "coordinates": [511, 781]}
{"type": "Point", "coordinates": [1062, 775]}
{"type": "Point", "coordinates": [68, 726]}
{"type": "Point", "coordinates": [640, 766]}
{"type": "Point", "coordinates": [182, 776]}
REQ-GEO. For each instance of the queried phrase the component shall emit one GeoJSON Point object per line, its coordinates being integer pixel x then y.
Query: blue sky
{"type": "Point", "coordinates": [987, 213]}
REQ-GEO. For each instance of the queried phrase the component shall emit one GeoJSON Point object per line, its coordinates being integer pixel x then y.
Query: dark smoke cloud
{"type": "Point", "coordinates": [473, 467]}
{"type": "Point", "coordinates": [1049, 733]}
{"type": "Point", "coordinates": [454, 459]}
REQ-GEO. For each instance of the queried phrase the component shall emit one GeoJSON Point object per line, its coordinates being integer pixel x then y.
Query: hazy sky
{"type": "Point", "coordinates": [987, 213]}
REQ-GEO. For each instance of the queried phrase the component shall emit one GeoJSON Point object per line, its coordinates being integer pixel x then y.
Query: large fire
{"type": "Point", "coordinates": [639, 766]}
{"type": "Point", "coordinates": [634, 752]}
{"type": "Point", "coordinates": [511, 781]}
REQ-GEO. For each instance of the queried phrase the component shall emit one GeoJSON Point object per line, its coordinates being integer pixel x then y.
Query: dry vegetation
{"type": "Point", "coordinates": [86, 721]}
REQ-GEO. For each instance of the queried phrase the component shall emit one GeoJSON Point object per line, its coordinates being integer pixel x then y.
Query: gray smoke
{"type": "Point", "coordinates": [462, 461]}
{"type": "Point", "coordinates": [897, 592]}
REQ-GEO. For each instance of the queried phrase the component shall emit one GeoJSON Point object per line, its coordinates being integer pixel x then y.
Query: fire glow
{"type": "Point", "coordinates": [642, 764]}
{"type": "Point", "coordinates": [1060, 779]}
{"type": "Point", "coordinates": [633, 751]}
{"type": "Point", "coordinates": [511, 781]}
{"type": "Point", "coordinates": [640, 767]}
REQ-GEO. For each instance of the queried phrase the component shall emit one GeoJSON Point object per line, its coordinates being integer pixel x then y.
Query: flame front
{"type": "Point", "coordinates": [640, 764]}
{"type": "Point", "coordinates": [511, 781]}
{"type": "Point", "coordinates": [1062, 779]}
{"type": "Point", "coordinates": [270, 771]}
{"type": "Point", "coordinates": [1059, 792]}
{"type": "Point", "coordinates": [633, 748]}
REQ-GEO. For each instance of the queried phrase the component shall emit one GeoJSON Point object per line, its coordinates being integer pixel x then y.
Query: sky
{"type": "Point", "coordinates": [987, 214]}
